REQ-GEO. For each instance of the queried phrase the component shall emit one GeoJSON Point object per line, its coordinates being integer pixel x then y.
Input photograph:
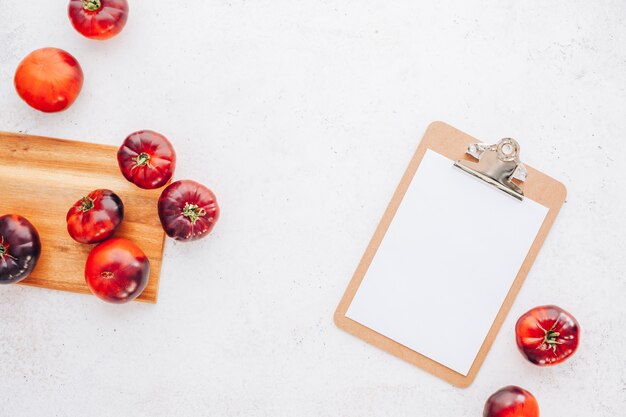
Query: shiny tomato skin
{"type": "Point", "coordinates": [49, 79]}
{"type": "Point", "coordinates": [147, 159]}
{"type": "Point", "coordinates": [20, 248]}
{"type": "Point", "coordinates": [117, 271]}
{"type": "Point", "coordinates": [95, 217]}
{"type": "Point", "coordinates": [188, 210]}
{"type": "Point", "coordinates": [98, 19]}
{"type": "Point", "coordinates": [511, 401]}
{"type": "Point", "coordinates": [547, 335]}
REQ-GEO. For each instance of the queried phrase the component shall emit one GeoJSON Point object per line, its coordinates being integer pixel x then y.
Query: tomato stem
{"type": "Point", "coordinates": [92, 5]}
{"type": "Point", "coordinates": [550, 337]}
{"type": "Point", "coordinates": [86, 204]}
{"type": "Point", "coordinates": [3, 250]}
{"type": "Point", "coordinates": [107, 275]}
{"type": "Point", "coordinates": [142, 159]}
{"type": "Point", "coordinates": [193, 212]}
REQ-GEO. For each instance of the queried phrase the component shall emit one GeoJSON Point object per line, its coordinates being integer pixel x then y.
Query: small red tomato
{"type": "Point", "coordinates": [547, 335]}
{"type": "Point", "coordinates": [511, 401]}
{"type": "Point", "coordinates": [49, 79]}
{"type": "Point", "coordinates": [147, 159]}
{"type": "Point", "coordinates": [20, 248]}
{"type": "Point", "coordinates": [117, 271]}
{"type": "Point", "coordinates": [98, 19]}
{"type": "Point", "coordinates": [188, 210]}
{"type": "Point", "coordinates": [95, 217]}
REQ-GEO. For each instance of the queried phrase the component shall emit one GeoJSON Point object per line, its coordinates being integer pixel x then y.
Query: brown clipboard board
{"type": "Point", "coordinates": [451, 143]}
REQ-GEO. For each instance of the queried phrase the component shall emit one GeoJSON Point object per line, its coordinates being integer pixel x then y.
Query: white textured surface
{"type": "Point", "coordinates": [302, 117]}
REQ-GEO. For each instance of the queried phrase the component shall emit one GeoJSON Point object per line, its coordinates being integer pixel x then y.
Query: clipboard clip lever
{"type": "Point", "coordinates": [497, 164]}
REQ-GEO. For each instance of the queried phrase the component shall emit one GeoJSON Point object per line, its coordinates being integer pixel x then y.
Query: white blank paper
{"type": "Point", "coordinates": [446, 263]}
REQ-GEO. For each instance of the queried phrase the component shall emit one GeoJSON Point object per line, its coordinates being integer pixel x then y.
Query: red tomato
{"type": "Point", "coordinates": [147, 159]}
{"type": "Point", "coordinates": [117, 271]}
{"type": "Point", "coordinates": [188, 210]}
{"type": "Point", "coordinates": [98, 19]}
{"type": "Point", "coordinates": [511, 401]}
{"type": "Point", "coordinates": [20, 248]}
{"type": "Point", "coordinates": [547, 335]}
{"type": "Point", "coordinates": [95, 217]}
{"type": "Point", "coordinates": [49, 79]}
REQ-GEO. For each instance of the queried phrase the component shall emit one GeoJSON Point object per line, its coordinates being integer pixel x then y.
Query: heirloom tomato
{"type": "Point", "coordinates": [117, 271]}
{"type": "Point", "coordinates": [511, 401]}
{"type": "Point", "coordinates": [95, 217]}
{"type": "Point", "coordinates": [547, 335]}
{"type": "Point", "coordinates": [147, 159]}
{"type": "Point", "coordinates": [98, 19]}
{"type": "Point", "coordinates": [20, 248]}
{"type": "Point", "coordinates": [188, 210]}
{"type": "Point", "coordinates": [49, 79]}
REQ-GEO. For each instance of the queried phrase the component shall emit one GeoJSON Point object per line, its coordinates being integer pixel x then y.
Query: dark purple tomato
{"type": "Point", "coordinates": [147, 159]}
{"type": "Point", "coordinates": [188, 210]}
{"type": "Point", "coordinates": [20, 248]}
{"type": "Point", "coordinates": [511, 401]}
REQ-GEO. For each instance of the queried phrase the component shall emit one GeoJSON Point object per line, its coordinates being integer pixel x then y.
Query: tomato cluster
{"type": "Point", "coordinates": [117, 270]}
{"type": "Point", "coordinates": [50, 80]}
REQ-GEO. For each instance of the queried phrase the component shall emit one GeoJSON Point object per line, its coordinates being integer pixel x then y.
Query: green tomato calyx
{"type": "Point", "coordinates": [92, 5]}
{"type": "Point", "coordinates": [86, 204]}
{"type": "Point", "coordinates": [550, 338]}
{"type": "Point", "coordinates": [193, 212]}
{"type": "Point", "coordinates": [142, 159]}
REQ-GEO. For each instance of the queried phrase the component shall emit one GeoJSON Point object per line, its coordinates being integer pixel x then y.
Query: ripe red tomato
{"type": "Point", "coordinates": [147, 159]}
{"type": "Point", "coordinates": [49, 79]}
{"type": "Point", "coordinates": [98, 19]}
{"type": "Point", "coordinates": [547, 335]}
{"type": "Point", "coordinates": [20, 248]}
{"type": "Point", "coordinates": [188, 210]}
{"type": "Point", "coordinates": [117, 271]}
{"type": "Point", "coordinates": [511, 401]}
{"type": "Point", "coordinates": [95, 217]}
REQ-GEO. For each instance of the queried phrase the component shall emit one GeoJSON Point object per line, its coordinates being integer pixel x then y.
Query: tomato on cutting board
{"type": "Point", "coordinates": [547, 335]}
{"type": "Point", "coordinates": [117, 271]}
{"type": "Point", "coordinates": [147, 159]}
{"type": "Point", "coordinates": [511, 401]}
{"type": "Point", "coordinates": [98, 19]}
{"type": "Point", "coordinates": [188, 210]}
{"type": "Point", "coordinates": [20, 248]}
{"type": "Point", "coordinates": [49, 79]}
{"type": "Point", "coordinates": [95, 217]}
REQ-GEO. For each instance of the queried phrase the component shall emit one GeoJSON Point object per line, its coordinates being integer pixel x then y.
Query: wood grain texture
{"type": "Point", "coordinates": [42, 177]}
{"type": "Point", "coordinates": [451, 143]}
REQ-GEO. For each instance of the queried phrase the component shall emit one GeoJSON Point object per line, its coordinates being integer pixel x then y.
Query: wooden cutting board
{"type": "Point", "coordinates": [40, 179]}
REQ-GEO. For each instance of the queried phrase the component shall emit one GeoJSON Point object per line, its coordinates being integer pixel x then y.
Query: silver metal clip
{"type": "Point", "coordinates": [497, 164]}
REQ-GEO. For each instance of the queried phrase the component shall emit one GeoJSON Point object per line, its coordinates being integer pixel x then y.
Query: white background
{"type": "Point", "coordinates": [302, 117]}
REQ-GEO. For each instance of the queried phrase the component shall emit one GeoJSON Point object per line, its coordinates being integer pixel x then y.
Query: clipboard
{"type": "Point", "coordinates": [387, 265]}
